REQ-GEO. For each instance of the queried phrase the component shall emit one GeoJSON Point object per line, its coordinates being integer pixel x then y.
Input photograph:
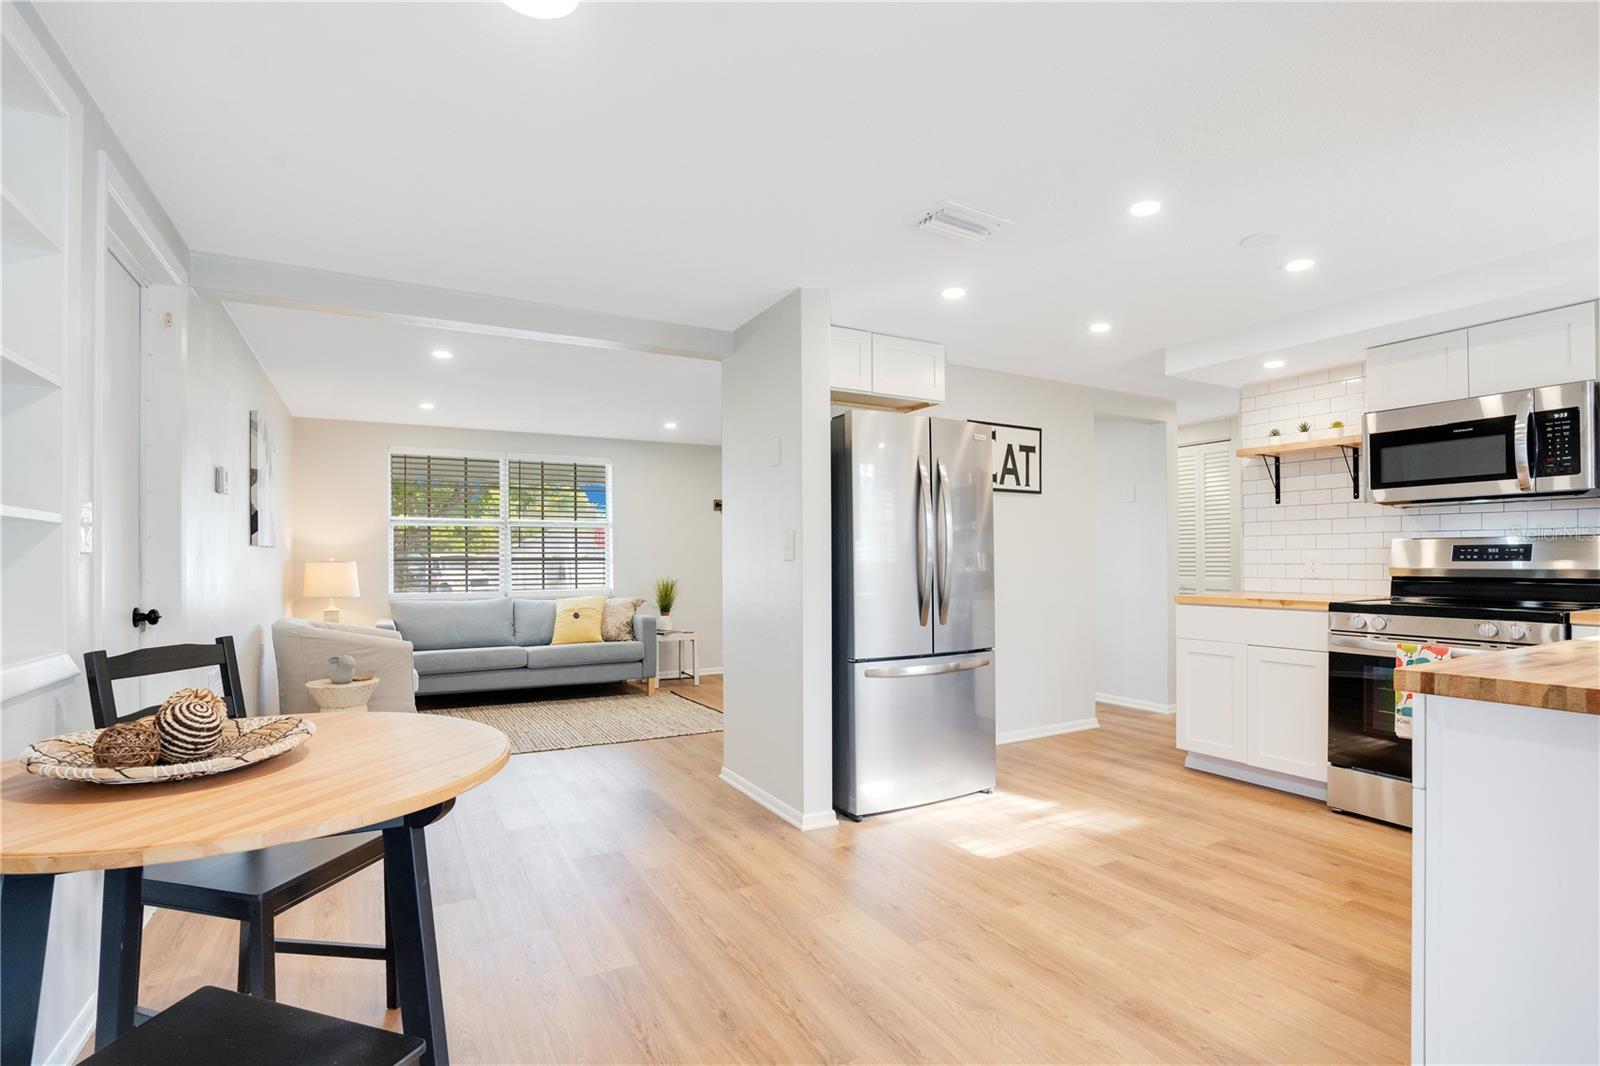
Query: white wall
{"type": "Point", "coordinates": [664, 524]}
{"type": "Point", "coordinates": [1045, 548]}
{"type": "Point", "coordinates": [1320, 540]}
{"type": "Point", "coordinates": [778, 738]}
{"type": "Point", "coordinates": [1131, 529]}
{"type": "Point", "coordinates": [232, 587]}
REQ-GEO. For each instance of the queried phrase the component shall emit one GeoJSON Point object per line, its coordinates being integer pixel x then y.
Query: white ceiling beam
{"type": "Point", "coordinates": [276, 285]}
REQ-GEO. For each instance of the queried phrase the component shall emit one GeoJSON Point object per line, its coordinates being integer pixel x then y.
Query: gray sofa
{"type": "Point", "coordinates": [479, 645]}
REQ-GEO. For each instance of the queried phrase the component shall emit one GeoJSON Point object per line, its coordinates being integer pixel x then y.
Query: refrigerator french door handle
{"type": "Point", "coordinates": [928, 669]}
{"type": "Point", "coordinates": [941, 544]}
{"type": "Point", "coordinates": [1520, 442]}
{"type": "Point", "coordinates": [924, 520]}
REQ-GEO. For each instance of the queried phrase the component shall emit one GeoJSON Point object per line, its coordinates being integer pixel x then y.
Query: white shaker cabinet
{"type": "Point", "coordinates": [850, 359]}
{"type": "Point", "coordinates": [1530, 351]}
{"type": "Point", "coordinates": [1211, 698]}
{"type": "Point", "coordinates": [1286, 711]}
{"type": "Point", "coordinates": [1421, 370]}
{"type": "Point", "coordinates": [913, 369]}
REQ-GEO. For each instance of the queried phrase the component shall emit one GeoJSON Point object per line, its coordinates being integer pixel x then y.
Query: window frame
{"type": "Point", "coordinates": [504, 523]}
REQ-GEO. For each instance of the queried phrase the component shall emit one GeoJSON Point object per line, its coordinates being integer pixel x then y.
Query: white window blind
{"type": "Point", "coordinates": [1205, 517]}
{"type": "Point", "coordinates": [498, 524]}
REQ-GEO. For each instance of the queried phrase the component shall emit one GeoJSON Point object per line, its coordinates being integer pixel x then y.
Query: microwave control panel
{"type": "Point", "coordinates": [1558, 434]}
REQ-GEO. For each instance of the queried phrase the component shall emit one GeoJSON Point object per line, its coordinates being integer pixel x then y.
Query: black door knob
{"type": "Point", "coordinates": [151, 617]}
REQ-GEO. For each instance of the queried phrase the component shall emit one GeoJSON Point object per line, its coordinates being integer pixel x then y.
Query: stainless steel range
{"type": "Point", "coordinates": [1459, 597]}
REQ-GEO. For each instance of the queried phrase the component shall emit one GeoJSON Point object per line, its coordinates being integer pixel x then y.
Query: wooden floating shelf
{"type": "Point", "coordinates": [1296, 447]}
{"type": "Point", "coordinates": [20, 370]}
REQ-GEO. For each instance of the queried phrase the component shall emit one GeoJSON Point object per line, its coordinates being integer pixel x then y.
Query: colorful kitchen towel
{"type": "Point", "coordinates": [1405, 702]}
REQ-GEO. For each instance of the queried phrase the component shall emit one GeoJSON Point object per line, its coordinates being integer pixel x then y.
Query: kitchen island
{"type": "Point", "coordinates": [1506, 856]}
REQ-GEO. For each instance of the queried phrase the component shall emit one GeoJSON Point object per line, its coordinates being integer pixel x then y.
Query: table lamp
{"type": "Point", "coordinates": [332, 579]}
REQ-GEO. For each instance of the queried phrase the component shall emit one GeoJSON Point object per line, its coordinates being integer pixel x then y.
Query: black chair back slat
{"type": "Point", "coordinates": [102, 669]}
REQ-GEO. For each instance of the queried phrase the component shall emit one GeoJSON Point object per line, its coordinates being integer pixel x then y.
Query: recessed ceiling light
{"type": "Point", "coordinates": [954, 292]}
{"type": "Point", "coordinates": [1144, 208]}
{"type": "Point", "coordinates": [669, 425]}
{"type": "Point", "coordinates": [425, 406]}
{"type": "Point", "coordinates": [440, 353]}
{"type": "Point", "coordinates": [1295, 266]}
{"type": "Point", "coordinates": [1272, 364]}
{"type": "Point", "coordinates": [1260, 240]}
{"type": "Point", "coordinates": [543, 9]}
{"type": "Point", "coordinates": [1099, 327]}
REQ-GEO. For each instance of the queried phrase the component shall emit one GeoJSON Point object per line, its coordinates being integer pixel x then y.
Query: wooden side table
{"type": "Point", "coordinates": [680, 637]}
{"type": "Point", "coordinates": [350, 696]}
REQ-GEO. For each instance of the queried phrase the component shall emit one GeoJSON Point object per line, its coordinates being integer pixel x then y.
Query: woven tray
{"type": "Point", "coordinates": [70, 756]}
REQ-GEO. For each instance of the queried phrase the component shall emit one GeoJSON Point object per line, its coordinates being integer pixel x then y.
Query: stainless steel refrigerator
{"type": "Point", "coordinates": [913, 610]}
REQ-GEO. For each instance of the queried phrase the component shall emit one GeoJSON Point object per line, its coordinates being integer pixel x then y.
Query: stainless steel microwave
{"type": "Point", "coordinates": [1536, 442]}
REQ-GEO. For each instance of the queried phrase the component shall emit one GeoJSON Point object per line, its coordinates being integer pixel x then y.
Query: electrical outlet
{"type": "Point", "coordinates": [1314, 563]}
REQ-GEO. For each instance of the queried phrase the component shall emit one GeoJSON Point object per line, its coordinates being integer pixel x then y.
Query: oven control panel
{"type": "Point", "coordinates": [1491, 553]}
{"type": "Point", "coordinates": [1558, 435]}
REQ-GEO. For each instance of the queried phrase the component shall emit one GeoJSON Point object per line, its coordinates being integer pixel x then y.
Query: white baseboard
{"type": "Point", "coordinates": [75, 1041]}
{"type": "Point", "coordinates": [1011, 736]}
{"type": "Point", "coordinates": [800, 820]}
{"type": "Point", "coordinates": [1137, 705]}
{"type": "Point", "coordinates": [1252, 775]}
{"type": "Point", "coordinates": [704, 670]}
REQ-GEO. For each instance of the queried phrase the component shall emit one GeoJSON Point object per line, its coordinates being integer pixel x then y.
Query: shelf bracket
{"type": "Point", "coordinates": [1352, 463]}
{"type": "Point", "coordinates": [1275, 475]}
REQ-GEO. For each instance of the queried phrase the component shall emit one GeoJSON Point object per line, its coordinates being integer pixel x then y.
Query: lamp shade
{"type": "Point", "coordinates": [331, 579]}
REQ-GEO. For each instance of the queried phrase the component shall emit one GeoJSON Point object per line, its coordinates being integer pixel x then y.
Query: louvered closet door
{"type": "Point", "coordinates": [1188, 521]}
{"type": "Point", "coordinates": [1205, 517]}
{"type": "Point", "coordinates": [1216, 493]}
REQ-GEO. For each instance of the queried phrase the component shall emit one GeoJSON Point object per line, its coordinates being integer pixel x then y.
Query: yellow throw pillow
{"type": "Point", "coordinates": [578, 621]}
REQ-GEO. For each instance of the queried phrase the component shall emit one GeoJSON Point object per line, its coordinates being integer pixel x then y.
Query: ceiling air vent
{"type": "Point", "coordinates": [962, 223]}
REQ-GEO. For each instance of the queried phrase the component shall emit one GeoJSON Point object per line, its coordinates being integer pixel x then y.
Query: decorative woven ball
{"type": "Point", "coordinates": [189, 724]}
{"type": "Point", "coordinates": [127, 744]}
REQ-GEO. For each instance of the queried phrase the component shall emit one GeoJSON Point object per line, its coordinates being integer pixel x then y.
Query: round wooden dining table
{"type": "Point", "coordinates": [361, 771]}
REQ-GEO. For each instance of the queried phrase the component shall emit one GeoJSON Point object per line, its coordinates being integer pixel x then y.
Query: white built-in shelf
{"type": "Point", "coordinates": [22, 234]}
{"type": "Point", "coordinates": [30, 514]}
{"type": "Point", "coordinates": [21, 89]}
{"type": "Point", "coordinates": [19, 370]}
{"type": "Point", "coordinates": [31, 675]}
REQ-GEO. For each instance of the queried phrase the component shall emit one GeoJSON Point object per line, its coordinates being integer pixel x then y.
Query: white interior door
{"type": "Point", "coordinates": [120, 522]}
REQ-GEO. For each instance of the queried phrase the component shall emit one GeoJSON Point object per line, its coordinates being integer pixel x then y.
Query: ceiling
{"type": "Point", "coordinates": [693, 162]}
{"type": "Point", "coordinates": [373, 370]}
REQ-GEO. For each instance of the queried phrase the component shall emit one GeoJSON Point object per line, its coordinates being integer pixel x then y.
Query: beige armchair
{"type": "Point", "coordinates": [302, 649]}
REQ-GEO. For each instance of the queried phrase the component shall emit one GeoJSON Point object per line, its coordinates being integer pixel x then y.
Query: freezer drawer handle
{"type": "Point", "coordinates": [927, 669]}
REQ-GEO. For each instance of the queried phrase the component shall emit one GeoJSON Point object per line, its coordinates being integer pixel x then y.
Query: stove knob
{"type": "Point", "coordinates": [1487, 629]}
{"type": "Point", "coordinates": [1378, 623]}
{"type": "Point", "coordinates": [1516, 631]}
{"type": "Point", "coordinates": [1358, 621]}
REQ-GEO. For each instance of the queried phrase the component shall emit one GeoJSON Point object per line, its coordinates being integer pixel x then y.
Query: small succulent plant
{"type": "Point", "coordinates": [1336, 424]}
{"type": "Point", "coordinates": [1304, 427]}
{"type": "Point", "coordinates": [1274, 432]}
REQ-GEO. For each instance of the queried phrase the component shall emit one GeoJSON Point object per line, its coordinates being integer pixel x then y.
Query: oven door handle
{"type": "Point", "coordinates": [1521, 433]}
{"type": "Point", "coordinates": [1384, 647]}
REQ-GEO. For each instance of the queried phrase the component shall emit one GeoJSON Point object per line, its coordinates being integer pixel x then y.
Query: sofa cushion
{"type": "Point", "coordinates": [578, 620]}
{"type": "Point", "coordinates": [433, 624]}
{"type": "Point", "coordinates": [533, 620]}
{"type": "Point", "coordinates": [617, 621]}
{"type": "Point", "coordinates": [468, 660]}
{"type": "Point", "coordinates": [610, 651]}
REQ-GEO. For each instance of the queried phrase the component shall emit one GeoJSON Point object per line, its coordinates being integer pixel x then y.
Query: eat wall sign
{"type": "Point", "coordinates": [1018, 457]}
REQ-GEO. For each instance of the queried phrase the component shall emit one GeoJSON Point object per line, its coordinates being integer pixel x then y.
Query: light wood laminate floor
{"type": "Point", "coordinates": [620, 904]}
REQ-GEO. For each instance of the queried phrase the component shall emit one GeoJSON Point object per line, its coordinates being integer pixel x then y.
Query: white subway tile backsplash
{"type": "Point", "coordinates": [1319, 540]}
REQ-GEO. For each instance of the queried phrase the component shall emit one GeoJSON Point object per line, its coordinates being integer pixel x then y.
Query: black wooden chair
{"type": "Point", "coordinates": [251, 887]}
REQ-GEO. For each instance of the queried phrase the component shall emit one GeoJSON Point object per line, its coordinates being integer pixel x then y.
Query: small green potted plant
{"type": "Point", "coordinates": [1274, 432]}
{"type": "Point", "coordinates": [1304, 427]}
{"type": "Point", "coordinates": [666, 596]}
{"type": "Point", "coordinates": [1335, 429]}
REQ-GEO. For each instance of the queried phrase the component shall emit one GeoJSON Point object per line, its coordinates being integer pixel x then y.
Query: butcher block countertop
{"type": "Point", "coordinates": [1564, 676]}
{"type": "Point", "coordinates": [1275, 601]}
{"type": "Point", "coordinates": [1586, 618]}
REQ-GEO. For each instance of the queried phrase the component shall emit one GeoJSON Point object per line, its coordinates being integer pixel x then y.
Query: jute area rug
{"type": "Point", "coordinates": [604, 717]}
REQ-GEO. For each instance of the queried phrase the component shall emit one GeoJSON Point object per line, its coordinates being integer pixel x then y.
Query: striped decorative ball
{"type": "Point", "coordinates": [189, 724]}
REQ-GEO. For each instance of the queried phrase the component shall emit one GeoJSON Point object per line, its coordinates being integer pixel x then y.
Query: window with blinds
{"type": "Point", "coordinates": [507, 523]}
{"type": "Point", "coordinates": [1205, 517]}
